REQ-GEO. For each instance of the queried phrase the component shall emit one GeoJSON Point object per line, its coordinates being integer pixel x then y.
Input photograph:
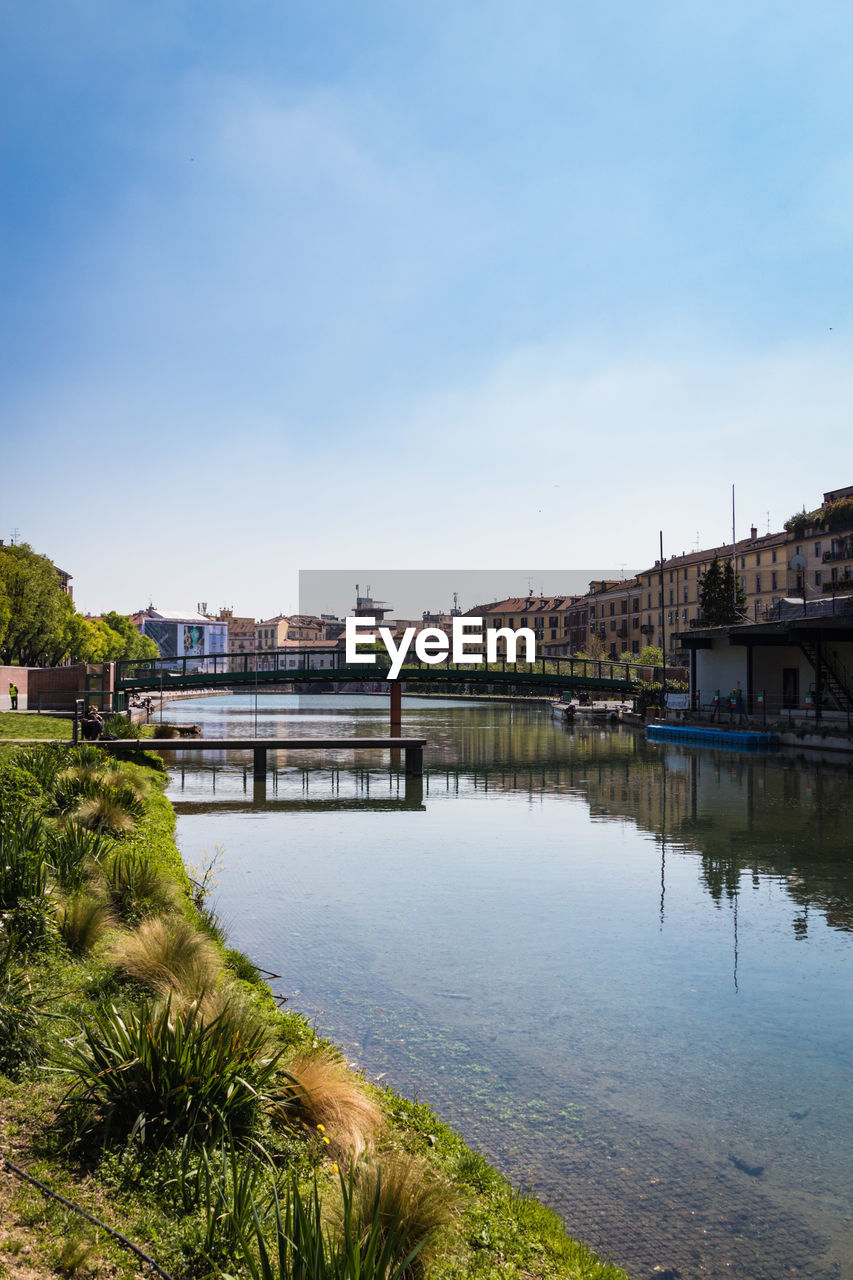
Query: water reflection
{"type": "Point", "coordinates": [622, 969]}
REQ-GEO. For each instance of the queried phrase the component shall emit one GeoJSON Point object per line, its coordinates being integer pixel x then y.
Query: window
{"type": "Point", "coordinates": [672, 597]}
{"type": "Point", "coordinates": [758, 557]}
{"type": "Point", "coordinates": [743, 562]}
{"type": "Point", "coordinates": [612, 608]}
{"type": "Point", "coordinates": [686, 595]}
{"type": "Point", "coordinates": [818, 576]}
{"type": "Point", "coordinates": [743, 584]}
{"type": "Point", "coordinates": [635, 624]}
{"type": "Point", "coordinates": [817, 549]}
{"type": "Point", "coordinates": [671, 576]}
{"type": "Point", "coordinates": [758, 582]}
{"type": "Point", "coordinates": [774, 555]}
{"type": "Point", "coordinates": [773, 577]}
{"type": "Point", "coordinates": [649, 605]}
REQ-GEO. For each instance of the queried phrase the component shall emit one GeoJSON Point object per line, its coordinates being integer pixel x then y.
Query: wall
{"type": "Point", "coordinates": [13, 675]}
{"type": "Point", "coordinates": [58, 686]}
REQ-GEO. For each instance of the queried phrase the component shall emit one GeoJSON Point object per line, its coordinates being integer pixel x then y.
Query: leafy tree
{"type": "Point", "coordinates": [136, 646]}
{"type": "Point", "coordinates": [39, 625]}
{"type": "Point", "coordinates": [650, 656]}
{"type": "Point", "coordinates": [36, 610]}
{"type": "Point", "coordinates": [721, 595]}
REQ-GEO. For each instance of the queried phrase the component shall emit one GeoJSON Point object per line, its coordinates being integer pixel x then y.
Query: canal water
{"type": "Point", "coordinates": [622, 970]}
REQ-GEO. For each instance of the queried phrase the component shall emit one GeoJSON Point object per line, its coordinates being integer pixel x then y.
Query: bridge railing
{"type": "Point", "coordinates": [329, 663]}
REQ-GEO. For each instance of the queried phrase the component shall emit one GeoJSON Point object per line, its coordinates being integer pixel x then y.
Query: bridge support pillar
{"type": "Point", "coordinates": [259, 772]}
{"type": "Point", "coordinates": [415, 762]}
{"type": "Point", "coordinates": [396, 706]}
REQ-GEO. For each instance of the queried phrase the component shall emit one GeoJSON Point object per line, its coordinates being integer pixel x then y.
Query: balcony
{"type": "Point", "coordinates": [844, 552]}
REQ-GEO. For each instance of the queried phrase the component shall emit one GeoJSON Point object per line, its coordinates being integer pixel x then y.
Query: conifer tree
{"type": "Point", "coordinates": [721, 595]}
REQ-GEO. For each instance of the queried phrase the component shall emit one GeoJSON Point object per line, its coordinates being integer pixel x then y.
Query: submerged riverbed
{"type": "Point", "coordinates": [622, 969]}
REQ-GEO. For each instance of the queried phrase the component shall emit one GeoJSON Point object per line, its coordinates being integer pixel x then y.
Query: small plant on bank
{"type": "Point", "coordinates": [157, 1075]}
{"type": "Point", "coordinates": [23, 873]}
{"type": "Point", "coordinates": [410, 1204]}
{"type": "Point", "coordinates": [83, 921]}
{"type": "Point", "coordinates": [114, 810]}
{"type": "Point", "coordinates": [136, 887]}
{"type": "Point", "coordinates": [168, 955]}
{"type": "Point", "coordinates": [18, 1015]}
{"type": "Point", "coordinates": [324, 1096]}
{"type": "Point", "coordinates": [299, 1246]}
{"type": "Point", "coordinates": [72, 852]}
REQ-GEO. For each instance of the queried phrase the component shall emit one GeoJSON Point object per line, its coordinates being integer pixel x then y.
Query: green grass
{"type": "Point", "coordinates": [44, 727]}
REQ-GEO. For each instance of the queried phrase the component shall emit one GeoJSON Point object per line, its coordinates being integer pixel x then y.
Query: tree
{"type": "Point", "coordinates": [650, 656]}
{"type": "Point", "coordinates": [721, 596]}
{"type": "Point", "coordinates": [37, 613]}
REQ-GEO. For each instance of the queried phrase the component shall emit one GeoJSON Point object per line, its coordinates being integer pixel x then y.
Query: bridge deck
{"type": "Point", "coordinates": [413, 747]}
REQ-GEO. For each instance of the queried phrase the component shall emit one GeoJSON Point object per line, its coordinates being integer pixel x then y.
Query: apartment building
{"type": "Point", "coordinates": [613, 614]}
{"type": "Point", "coordinates": [824, 539]}
{"type": "Point", "coordinates": [271, 633]}
{"type": "Point", "coordinates": [557, 622]}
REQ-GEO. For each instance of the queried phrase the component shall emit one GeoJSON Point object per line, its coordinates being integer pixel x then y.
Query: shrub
{"type": "Point", "coordinates": [409, 1203]}
{"type": "Point", "coordinates": [72, 851]}
{"type": "Point", "coordinates": [17, 1013]}
{"type": "Point", "coordinates": [156, 1075]}
{"type": "Point", "coordinates": [44, 763]}
{"type": "Point", "coordinates": [135, 887]}
{"type": "Point", "coordinates": [323, 1095]}
{"type": "Point", "coordinates": [301, 1248]}
{"type": "Point", "coordinates": [83, 921]}
{"type": "Point", "coordinates": [242, 966]}
{"type": "Point", "coordinates": [119, 726]}
{"type": "Point", "coordinates": [22, 869]}
{"type": "Point", "coordinates": [167, 954]}
{"type": "Point", "coordinates": [19, 788]}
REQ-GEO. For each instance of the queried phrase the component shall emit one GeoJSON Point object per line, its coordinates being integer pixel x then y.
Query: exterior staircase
{"type": "Point", "coordinates": [834, 678]}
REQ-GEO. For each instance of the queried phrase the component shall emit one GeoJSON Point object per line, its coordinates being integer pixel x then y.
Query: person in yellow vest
{"type": "Point", "coordinates": [13, 694]}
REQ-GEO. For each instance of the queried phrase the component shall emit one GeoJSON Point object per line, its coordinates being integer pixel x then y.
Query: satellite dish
{"type": "Point", "coordinates": [797, 563]}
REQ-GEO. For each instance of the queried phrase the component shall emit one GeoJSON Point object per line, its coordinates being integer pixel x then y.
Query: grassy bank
{"type": "Point", "coordinates": [15, 725]}
{"type": "Point", "coordinates": [147, 1074]}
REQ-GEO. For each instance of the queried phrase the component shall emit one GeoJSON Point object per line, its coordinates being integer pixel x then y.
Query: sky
{"type": "Point", "coordinates": [290, 286]}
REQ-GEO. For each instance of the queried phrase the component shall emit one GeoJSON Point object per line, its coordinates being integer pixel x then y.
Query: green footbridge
{"type": "Point", "coordinates": [318, 668]}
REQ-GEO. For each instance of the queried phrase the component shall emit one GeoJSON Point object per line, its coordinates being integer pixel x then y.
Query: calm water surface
{"type": "Point", "coordinates": [622, 970]}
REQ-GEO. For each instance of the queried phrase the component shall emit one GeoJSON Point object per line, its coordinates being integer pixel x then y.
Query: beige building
{"type": "Point", "coordinates": [613, 612]}
{"type": "Point", "coordinates": [241, 635]}
{"type": "Point", "coordinates": [557, 622]}
{"type": "Point", "coordinates": [673, 604]}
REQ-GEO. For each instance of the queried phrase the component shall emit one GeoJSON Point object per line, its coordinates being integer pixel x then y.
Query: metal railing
{"type": "Point", "coordinates": [244, 668]}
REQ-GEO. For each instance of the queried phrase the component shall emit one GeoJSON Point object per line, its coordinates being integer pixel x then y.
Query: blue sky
{"type": "Point", "coordinates": [291, 286]}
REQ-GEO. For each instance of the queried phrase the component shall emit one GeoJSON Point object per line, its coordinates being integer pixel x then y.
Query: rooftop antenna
{"type": "Point", "coordinates": [15, 533]}
{"type": "Point", "coordinates": [768, 521]}
{"type": "Point", "coordinates": [622, 564]}
{"type": "Point", "coordinates": [697, 540]}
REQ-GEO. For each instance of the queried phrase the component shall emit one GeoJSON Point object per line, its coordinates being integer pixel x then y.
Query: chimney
{"type": "Point", "coordinates": [753, 534]}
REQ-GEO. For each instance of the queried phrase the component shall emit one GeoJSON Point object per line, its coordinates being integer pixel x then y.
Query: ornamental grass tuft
{"type": "Point", "coordinates": [168, 955]}
{"type": "Point", "coordinates": [83, 920]}
{"type": "Point", "coordinates": [322, 1094]}
{"type": "Point", "coordinates": [299, 1245]}
{"type": "Point", "coordinates": [136, 887]}
{"type": "Point", "coordinates": [412, 1206]}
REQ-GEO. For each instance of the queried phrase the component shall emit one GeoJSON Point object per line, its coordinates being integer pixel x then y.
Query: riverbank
{"type": "Point", "coordinates": [109, 924]}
